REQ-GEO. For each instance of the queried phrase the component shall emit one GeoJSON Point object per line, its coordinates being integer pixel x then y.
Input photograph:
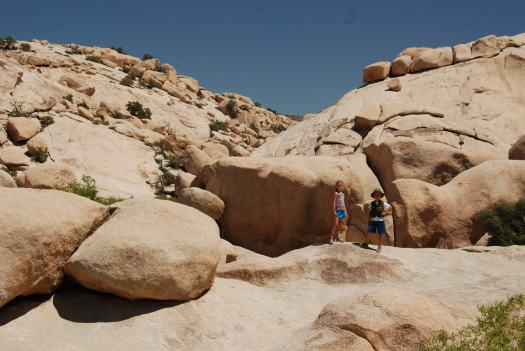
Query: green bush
{"type": "Point", "coordinates": [25, 47]}
{"type": "Point", "coordinates": [127, 80]}
{"type": "Point", "coordinates": [87, 187]}
{"type": "Point", "coordinates": [501, 327]}
{"type": "Point", "coordinates": [17, 110]}
{"type": "Point", "coordinates": [231, 109]}
{"type": "Point", "coordinates": [215, 126]}
{"type": "Point", "coordinates": [83, 104]}
{"type": "Point", "coordinates": [39, 156]}
{"type": "Point", "coordinates": [257, 103]}
{"type": "Point", "coordinates": [136, 109]}
{"type": "Point", "coordinates": [505, 223]}
{"type": "Point", "coordinates": [147, 57]}
{"type": "Point", "coordinates": [119, 50]}
{"type": "Point", "coordinates": [173, 161]}
{"type": "Point", "coordinates": [46, 121]}
{"type": "Point", "coordinates": [94, 59]}
{"type": "Point", "coordinates": [272, 110]}
{"type": "Point", "coordinates": [7, 43]}
{"type": "Point", "coordinates": [68, 97]}
{"type": "Point", "coordinates": [125, 70]}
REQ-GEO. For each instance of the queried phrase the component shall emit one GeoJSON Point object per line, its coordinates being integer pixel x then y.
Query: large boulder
{"type": "Point", "coordinates": [40, 231]}
{"type": "Point", "coordinates": [517, 151]}
{"type": "Point", "coordinates": [150, 249]}
{"type": "Point", "coordinates": [194, 159]}
{"type": "Point", "coordinates": [202, 200]}
{"type": "Point", "coordinates": [50, 175]}
{"type": "Point", "coordinates": [427, 215]}
{"type": "Point", "coordinates": [13, 157]}
{"type": "Point", "coordinates": [37, 144]}
{"type": "Point", "coordinates": [376, 71]}
{"type": "Point", "coordinates": [386, 319]}
{"type": "Point", "coordinates": [431, 59]}
{"type": "Point", "coordinates": [274, 205]}
{"type": "Point", "coordinates": [6, 180]}
{"type": "Point", "coordinates": [22, 128]}
{"type": "Point", "coordinates": [401, 65]}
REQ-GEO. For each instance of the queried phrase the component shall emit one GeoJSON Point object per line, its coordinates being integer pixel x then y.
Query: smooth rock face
{"type": "Point", "coordinates": [22, 128]}
{"type": "Point", "coordinates": [13, 156]}
{"type": "Point", "coordinates": [36, 144]}
{"type": "Point", "coordinates": [150, 249]}
{"type": "Point", "coordinates": [182, 181]}
{"type": "Point", "coordinates": [50, 175]}
{"type": "Point", "coordinates": [283, 201]}
{"type": "Point", "coordinates": [194, 159]}
{"type": "Point", "coordinates": [202, 200]}
{"type": "Point", "coordinates": [431, 59]}
{"type": "Point", "coordinates": [432, 216]}
{"type": "Point", "coordinates": [401, 65]}
{"type": "Point", "coordinates": [376, 71]}
{"type": "Point", "coordinates": [517, 151]}
{"type": "Point", "coordinates": [6, 180]}
{"type": "Point", "coordinates": [40, 231]}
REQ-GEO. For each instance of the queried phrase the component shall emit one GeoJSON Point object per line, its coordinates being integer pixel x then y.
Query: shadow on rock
{"type": "Point", "coordinates": [20, 306]}
{"type": "Point", "coordinates": [80, 305]}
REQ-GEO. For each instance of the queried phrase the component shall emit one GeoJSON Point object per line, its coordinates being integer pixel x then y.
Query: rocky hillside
{"type": "Point", "coordinates": [427, 124]}
{"type": "Point", "coordinates": [132, 125]}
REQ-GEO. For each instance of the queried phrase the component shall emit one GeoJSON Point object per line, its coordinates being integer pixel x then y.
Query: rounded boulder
{"type": "Point", "coordinates": [202, 200]}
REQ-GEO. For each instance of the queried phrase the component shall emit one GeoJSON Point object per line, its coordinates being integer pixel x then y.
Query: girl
{"type": "Point", "coordinates": [339, 212]}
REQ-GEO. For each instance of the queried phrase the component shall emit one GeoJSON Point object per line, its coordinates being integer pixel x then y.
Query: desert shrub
{"type": "Point", "coordinates": [229, 145]}
{"type": "Point", "coordinates": [25, 47]}
{"type": "Point", "coordinates": [118, 49]}
{"type": "Point", "coordinates": [272, 110]}
{"type": "Point", "coordinates": [145, 85]}
{"type": "Point", "coordinates": [94, 59]}
{"type": "Point", "coordinates": [147, 57]}
{"type": "Point", "coordinates": [231, 109]}
{"type": "Point", "coordinates": [200, 94]}
{"type": "Point", "coordinates": [505, 223]}
{"type": "Point", "coordinates": [257, 103]}
{"type": "Point", "coordinates": [68, 97]}
{"type": "Point", "coordinates": [278, 128]}
{"type": "Point", "coordinates": [125, 70]}
{"type": "Point", "coordinates": [17, 110]}
{"type": "Point", "coordinates": [7, 43]}
{"type": "Point", "coordinates": [501, 327]}
{"type": "Point", "coordinates": [215, 126]}
{"type": "Point", "coordinates": [72, 52]}
{"type": "Point", "coordinates": [127, 80]}
{"type": "Point", "coordinates": [87, 187]}
{"type": "Point", "coordinates": [46, 121]}
{"type": "Point", "coordinates": [173, 161]}
{"type": "Point", "coordinates": [83, 104]}
{"type": "Point", "coordinates": [39, 156]}
{"type": "Point", "coordinates": [136, 109]}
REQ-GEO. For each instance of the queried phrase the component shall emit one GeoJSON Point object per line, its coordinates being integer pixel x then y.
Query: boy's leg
{"type": "Point", "coordinates": [381, 230]}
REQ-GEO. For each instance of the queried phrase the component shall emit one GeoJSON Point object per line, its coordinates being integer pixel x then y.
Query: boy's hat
{"type": "Point", "coordinates": [377, 190]}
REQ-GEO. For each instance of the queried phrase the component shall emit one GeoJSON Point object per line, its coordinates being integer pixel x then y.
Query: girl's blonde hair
{"type": "Point", "coordinates": [336, 183]}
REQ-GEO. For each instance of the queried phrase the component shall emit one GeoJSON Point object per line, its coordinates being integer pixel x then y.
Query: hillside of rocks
{"type": "Point", "coordinates": [441, 130]}
{"type": "Point", "coordinates": [70, 105]}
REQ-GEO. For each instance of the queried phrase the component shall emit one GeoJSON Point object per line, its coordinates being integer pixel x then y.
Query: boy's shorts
{"type": "Point", "coordinates": [341, 214]}
{"type": "Point", "coordinates": [377, 227]}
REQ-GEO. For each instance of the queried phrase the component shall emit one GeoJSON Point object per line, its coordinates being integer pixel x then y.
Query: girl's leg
{"type": "Point", "coordinates": [334, 226]}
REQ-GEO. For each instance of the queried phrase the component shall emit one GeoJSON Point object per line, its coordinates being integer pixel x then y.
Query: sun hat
{"type": "Point", "coordinates": [377, 190]}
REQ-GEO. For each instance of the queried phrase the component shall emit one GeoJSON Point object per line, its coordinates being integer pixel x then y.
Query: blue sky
{"type": "Point", "coordinates": [296, 56]}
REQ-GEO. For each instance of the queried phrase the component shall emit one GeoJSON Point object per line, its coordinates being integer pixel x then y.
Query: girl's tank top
{"type": "Point", "coordinates": [340, 201]}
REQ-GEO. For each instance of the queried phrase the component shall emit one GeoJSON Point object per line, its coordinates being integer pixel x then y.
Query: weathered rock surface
{"type": "Point", "coordinates": [202, 200]}
{"type": "Point", "coordinates": [13, 157]}
{"type": "Point", "coordinates": [22, 128]}
{"type": "Point", "coordinates": [283, 201]}
{"type": "Point", "coordinates": [150, 249]}
{"type": "Point", "coordinates": [49, 175]}
{"type": "Point", "coordinates": [37, 144]}
{"type": "Point", "coordinates": [376, 71]}
{"type": "Point", "coordinates": [517, 151]}
{"type": "Point", "coordinates": [6, 181]}
{"type": "Point", "coordinates": [432, 216]}
{"type": "Point", "coordinates": [194, 159]}
{"type": "Point", "coordinates": [431, 59]}
{"type": "Point", "coordinates": [40, 231]}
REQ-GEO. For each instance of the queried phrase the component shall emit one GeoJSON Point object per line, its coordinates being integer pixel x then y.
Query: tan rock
{"type": "Point", "coordinates": [238, 150]}
{"type": "Point", "coordinates": [71, 81]}
{"type": "Point", "coordinates": [40, 231]}
{"type": "Point", "coordinates": [183, 180]}
{"type": "Point", "coordinates": [194, 159]}
{"type": "Point", "coordinates": [13, 156]}
{"type": "Point", "coordinates": [277, 197]}
{"type": "Point", "coordinates": [517, 151]}
{"type": "Point", "coordinates": [22, 128]}
{"type": "Point", "coordinates": [401, 65]}
{"type": "Point", "coordinates": [394, 84]}
{"type": "Point", "coordinates": [376, 71]}
{"type": "Point", "coordinates": [6, 181]}
{"type": "Point", "coordinates": [368, 116]}
{"type": "Point", "coordinates": [202, 200]}
{"type": "Point", "coordinates": [431, 59]}
{"type": "Point", "coordinates": [229, 254]}
{"type": "Point", "coordinates": [462, 52]}
{"type": "Point", "coordinates": [154, 78]}
{"type": "Point", "coordinates": [89, 91]}
{"type": "Point", "coordinates": [170, 72]}
{"type": "Point", "coordinates": [413, 52]}
{"type": "Point", "coordinates": [150, 249]}
{"type": "Point", "coordinates": [3, 136]}
{"type": "Point", "coordinates": [49, 175]}
{"type": "Point", "coordinates": [36, 144]}
{"type": "Point", "coordinates": [141, 67]}
{"type": "Point", "coordinates": [485, 47]}
{"type": "Point", "coordinates": [190, 83]}
{"type": "Point", "coordinates": [84, 112]}
{"type": "Point", "coordinates": [431, 216]}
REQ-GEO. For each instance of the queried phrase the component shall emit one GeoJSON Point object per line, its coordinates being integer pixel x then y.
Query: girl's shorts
{"type": "Point", "coordinates": [376, 227]}
{"type": "Point", "coordinates": [341, 214]}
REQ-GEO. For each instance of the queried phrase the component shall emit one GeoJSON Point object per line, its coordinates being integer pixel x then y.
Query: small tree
{"type": "Point", "coordinates": [505, 222]}
{"type": "Point", "coordinates": [147, 57]}
{"type": "Point", "coordinates": [7, 43]}
{"type": "Point", "coordinates": [231, 109]}
{"type": "Point", "coordinates": [136, 109]}
{"type": "Point", "coordinates": [118, 49]}
{"type": "Point", "coordinates": [128, 80]}
{"type": "Point", "coordinates": [25, 47]}
{"type": "Point", "coordinates": [94, 59]}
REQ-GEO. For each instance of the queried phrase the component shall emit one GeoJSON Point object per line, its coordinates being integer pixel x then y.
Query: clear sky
{"type": "Point", "coordinates": [296, 56]}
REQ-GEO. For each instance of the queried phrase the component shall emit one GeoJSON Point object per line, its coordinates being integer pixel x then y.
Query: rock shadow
{"type": "Point", "coordinates": [80, 305]}
{"type": "Point", "coordinates": [20, 306]}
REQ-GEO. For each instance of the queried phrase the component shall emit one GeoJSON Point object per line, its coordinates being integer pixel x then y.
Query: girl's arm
{"type": "Point", "coordinates": [335, 199]}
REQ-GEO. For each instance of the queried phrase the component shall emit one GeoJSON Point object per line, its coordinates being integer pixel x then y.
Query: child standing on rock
{"type": "Point", "coordinates": [376, 218]}
{"type": "Point", "coordinates": [340, 213]}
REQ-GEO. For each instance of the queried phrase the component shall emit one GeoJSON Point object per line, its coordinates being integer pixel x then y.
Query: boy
{"type": "Point", "coordinates": [376, 218]}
